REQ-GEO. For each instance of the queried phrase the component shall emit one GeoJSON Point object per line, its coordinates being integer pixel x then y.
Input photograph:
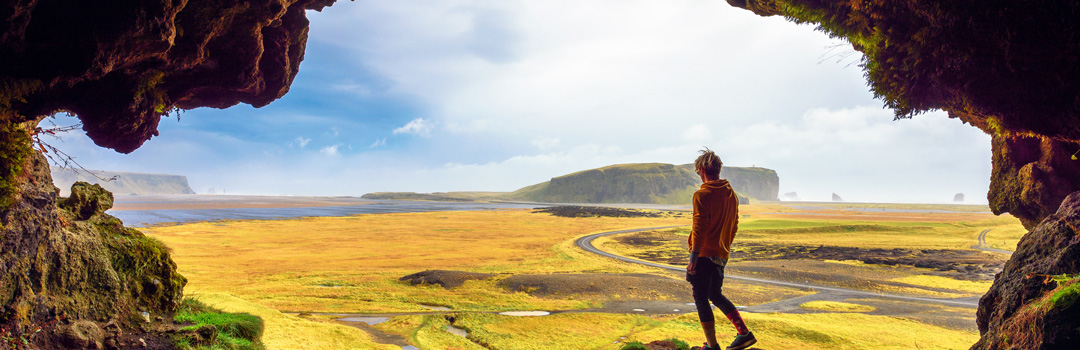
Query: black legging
{"type": "Point", "coordinates": [706, 281]}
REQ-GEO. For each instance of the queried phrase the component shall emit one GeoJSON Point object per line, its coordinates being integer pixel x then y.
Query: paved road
{"type": "Point", "coordinates": [826, 293]}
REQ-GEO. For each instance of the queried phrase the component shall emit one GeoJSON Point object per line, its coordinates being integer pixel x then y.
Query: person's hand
{"type": "Point", "coordinates": [690, 267]}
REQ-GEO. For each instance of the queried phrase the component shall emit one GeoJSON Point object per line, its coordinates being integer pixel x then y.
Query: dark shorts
{"type": "Point", "coordinates": [707, 282]}
{"type": "Point", "coordinates": [708, 269]}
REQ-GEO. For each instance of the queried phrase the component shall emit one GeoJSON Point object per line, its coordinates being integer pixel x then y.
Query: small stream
{"type": "Point", "coordinates": [365, 323]}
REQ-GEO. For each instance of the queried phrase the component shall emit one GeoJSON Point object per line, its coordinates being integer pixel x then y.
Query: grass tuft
{"type": "Point", "coordinates": [235, 330]}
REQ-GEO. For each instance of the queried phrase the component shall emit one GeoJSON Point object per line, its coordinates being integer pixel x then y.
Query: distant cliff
{"type": "Point", "coordinates": [646, 183]}
{"type": "Point", "coordinates": [124, 183]}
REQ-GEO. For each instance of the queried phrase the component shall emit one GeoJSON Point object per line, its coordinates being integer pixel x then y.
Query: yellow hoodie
{"type": "Point", "coordinates": [716, 219]}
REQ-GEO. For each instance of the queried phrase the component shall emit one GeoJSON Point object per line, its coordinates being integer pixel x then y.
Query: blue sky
{"type": "Point", "coordinates": [495, 95]}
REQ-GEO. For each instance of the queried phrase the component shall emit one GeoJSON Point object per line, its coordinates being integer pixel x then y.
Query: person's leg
{"type": "Point", "coordinates": [702, 283]}
{"type": "Point", "coordinates": [744, 339]}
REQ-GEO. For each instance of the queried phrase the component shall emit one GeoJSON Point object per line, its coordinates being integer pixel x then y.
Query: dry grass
{"type": "Point", "coordinates": [289, 332]}
{"type": "Point", "coordinates": [974, 287]}
{"type": "Point", "coordinates": [351, 264]}
{"type": "Point", "coordinates": [836, 306]}
{"type": "Point", "coordinates": [821, 331]}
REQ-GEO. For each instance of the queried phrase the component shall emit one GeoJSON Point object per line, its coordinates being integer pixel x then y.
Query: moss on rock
{"type": "Point", "coordinates": [66, 263]}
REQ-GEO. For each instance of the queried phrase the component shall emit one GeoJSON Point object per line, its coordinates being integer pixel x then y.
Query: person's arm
{"type": "Point", "coordinates": [695, 235]}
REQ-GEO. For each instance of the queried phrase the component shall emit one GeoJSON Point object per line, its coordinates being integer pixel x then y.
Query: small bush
{"type": "Point", "coordinates": [634, 345]}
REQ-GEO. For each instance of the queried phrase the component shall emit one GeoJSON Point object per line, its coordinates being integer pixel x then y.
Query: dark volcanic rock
{"type": "Point", "coordinates": [121, 65]}
{"type": "Point", "coordinates": [1012, 69]}
{"type": "Point", "coordinates": [77, 269]}
{"type": "Point", "coordinates": [1051, 248]}
{"type": "Point", "coordinates": [1031, 176]}
{"type": "Point", "coordinates": [576, 211]}
{"type": "Point", "coordinates": [444, 278]}
{"type": "Point", "coordinates": [86, 200]}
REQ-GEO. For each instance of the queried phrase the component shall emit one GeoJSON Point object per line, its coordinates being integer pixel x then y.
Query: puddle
{"type": "Point", "coordinates": [639, 310]}
{"type": "Point", "coordinates": [524, 313]}
{"type": "Point", "coordinates": [433, 307]}
{"type": "Point", "coordinates": [457, 331]}
{"type": "Point", "coordinates": [366, 320]}
{"type": "Point", "coordinates": [409, 347]}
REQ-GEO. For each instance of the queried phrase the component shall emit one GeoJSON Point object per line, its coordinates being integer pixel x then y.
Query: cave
{"type": "Point", "coordinates": [1009, 68]}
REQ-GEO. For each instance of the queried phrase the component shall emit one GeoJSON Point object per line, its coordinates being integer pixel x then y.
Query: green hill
{"type": "Point", "coordinates": [654, 183]}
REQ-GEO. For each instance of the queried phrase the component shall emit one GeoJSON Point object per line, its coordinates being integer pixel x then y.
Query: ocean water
{"type": "Point", "coordinates": [144, 218]}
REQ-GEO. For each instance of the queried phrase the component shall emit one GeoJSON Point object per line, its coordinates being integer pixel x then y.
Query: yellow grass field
{"type": "Point", "coordinates": [836, 306]}
{"type": "Point", "coordinates": [352, 265]}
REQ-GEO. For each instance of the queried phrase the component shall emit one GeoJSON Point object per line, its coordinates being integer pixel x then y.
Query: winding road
{"type": "Point", "coordinates": [986, 247]}
{"type": "Point", "coordinates": [824, 293]}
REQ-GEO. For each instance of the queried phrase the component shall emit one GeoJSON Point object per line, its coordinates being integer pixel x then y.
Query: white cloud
{"type": "Point", "coordinates": [417, 126]}
{"type": "Point", "coordinates": [334, 131]}
{"type": "Point", "coordinates": [301, 141]}
{"type": "Point", "coordinates": [698, 132]}
{"type": "Point", "coordinates": [545, 143]}
{"type": "Point", "coordinates": [514, 92]}
{"type": "Point", "coordinates": [353, 88]}
{"type": "Point", "coordinates": [330, 150]}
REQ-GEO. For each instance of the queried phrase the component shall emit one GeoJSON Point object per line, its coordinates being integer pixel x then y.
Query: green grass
{"type": "Point", "coordinates": [239, 331]}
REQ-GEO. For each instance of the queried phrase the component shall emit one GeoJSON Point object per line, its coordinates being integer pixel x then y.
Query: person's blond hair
{"type": "Point", "coordinates": [709, 162]}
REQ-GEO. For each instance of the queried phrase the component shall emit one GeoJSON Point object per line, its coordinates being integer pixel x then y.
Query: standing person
{"type": "Point", "coordinates": [716, 219]}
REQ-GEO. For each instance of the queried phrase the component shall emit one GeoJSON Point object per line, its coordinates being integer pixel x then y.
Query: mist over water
{"type": "Point", "coordinates": [144, 218]}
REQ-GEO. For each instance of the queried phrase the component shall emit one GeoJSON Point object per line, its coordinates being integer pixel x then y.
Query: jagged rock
{"type": "Point", "coordinates": [1051, 248]}
{"type": "Point", "coordinates": [86, 200]}
{"type": "Point", "coordinates": [959, 197]}
{"type": "Point", "coordinates": [82, 335]}
{"type": "Point", "coordinates": [119, 66]}
{"type": "Point", "coordinates": [87, 268]}
{"type": "Point", "coordinates": [1031, 176]}
{"type": "Point", "coordinates": [1013, 71]}
{"type": "Point", "coordinates": [836, 198]}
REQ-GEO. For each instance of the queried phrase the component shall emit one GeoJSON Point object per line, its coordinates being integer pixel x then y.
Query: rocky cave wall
{"type": "Point", "coordinates": [119, 66]}
{"type": "Point", "coordinates": [1012, 69]}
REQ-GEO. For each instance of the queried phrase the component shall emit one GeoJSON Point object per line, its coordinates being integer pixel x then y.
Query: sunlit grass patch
{"type": "Point", "coordinates": [351, 264]}
{"type": "Point", "coordinates": [560, 331]}
{"type": "Point", "coordinates": [974, 287]}
{"type": "Point", "coordinates": [388, 295]}
{"type": "Point", "coordinates": [822, 331]}
{"type": "Point", "coordinates": [290, 332]}
{"type": "Point", "coordinates": [836, 306]}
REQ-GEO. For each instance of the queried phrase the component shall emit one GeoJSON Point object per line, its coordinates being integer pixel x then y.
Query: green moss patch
{"type": "Point", "coordinates": [213, 329]}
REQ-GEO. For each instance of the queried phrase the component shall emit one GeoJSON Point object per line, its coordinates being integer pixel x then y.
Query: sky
{"type": "Point", "coordinates": [460, 95]}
